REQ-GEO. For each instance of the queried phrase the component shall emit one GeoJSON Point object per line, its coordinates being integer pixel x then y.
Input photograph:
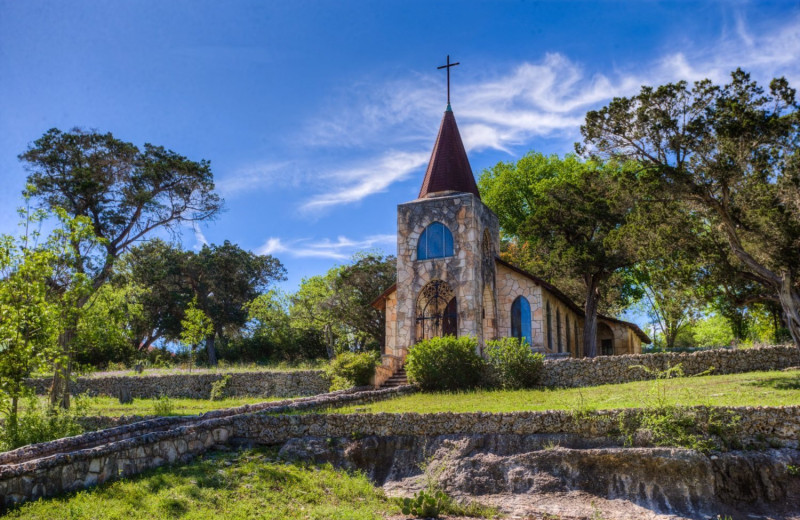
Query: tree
{"type": "Point", "coordinates": [196, 327]}
{"type": "Point", "coordinates": [159, 270]}
{"type": "Point", "coordinates": [577, 218]}
{"type": "Point", "coordinates": [31, 317]}
{"type": "Point", "coordinates": [671, 299]}
{"type": "Point", "coordinates": [223, 280]}
{"type": "Point", "coordinates": [338, 303]}
{"type": "Point", "coordinates": [733, 153]}
{"type": "Point", "coordinates": [355, 287]}
{"type": "Point", "coordinates": [308, 309]}
{"type": "Point", "coordinates": [124, 191]}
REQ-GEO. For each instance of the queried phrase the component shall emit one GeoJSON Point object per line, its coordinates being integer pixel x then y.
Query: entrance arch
{"type": "Point", "coordinates": [605, 339]}
{"type": "Point", "coordinates": [437, 311]}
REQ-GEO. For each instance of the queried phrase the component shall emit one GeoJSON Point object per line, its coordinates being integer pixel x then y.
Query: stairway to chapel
{"type": "Point", "coordinates": [398, 379]}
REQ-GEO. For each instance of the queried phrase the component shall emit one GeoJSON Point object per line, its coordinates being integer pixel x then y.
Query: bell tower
{"type": "Point", "coordinates": [447, 240]}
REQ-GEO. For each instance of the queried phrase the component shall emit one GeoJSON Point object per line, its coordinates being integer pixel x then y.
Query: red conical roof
{"type": "Point", "coordinates": [448, 170]}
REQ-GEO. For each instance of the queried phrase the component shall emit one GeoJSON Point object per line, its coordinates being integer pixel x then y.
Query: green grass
{"type": "Point", "coordinates": [229, 486]}
{"type": "Point", "coordinates": [111, 407]}
{"type": "Point", "coordinates": [749, 389]}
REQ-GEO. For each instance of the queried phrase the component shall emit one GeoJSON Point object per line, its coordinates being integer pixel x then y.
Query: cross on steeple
{"type": "Point", "coordinates": [448, 77]}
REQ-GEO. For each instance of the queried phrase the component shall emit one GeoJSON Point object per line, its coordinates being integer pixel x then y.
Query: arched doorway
{"type": "Point", "coordinates": [605, 339]}
{"type": "Point", "coordinates": [437, 311]}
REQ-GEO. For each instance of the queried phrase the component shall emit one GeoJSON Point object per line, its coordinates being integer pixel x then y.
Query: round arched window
{"type": "Point", "coordinates": [435, 242]}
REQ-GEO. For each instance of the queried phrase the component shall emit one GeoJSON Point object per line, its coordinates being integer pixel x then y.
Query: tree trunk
{"type": "Point", "coordinates": [211, 350]}
{"type": "Point", "coordinates": [329, 342]}
{"type": "Point", "coordinates": [13, 422]}
{"type": "Point", "coordinates": [59, 390]}
{"type": "Point", "coordinates": [789, 297]}
{"type": "Point", "coordinates": [590, 321]}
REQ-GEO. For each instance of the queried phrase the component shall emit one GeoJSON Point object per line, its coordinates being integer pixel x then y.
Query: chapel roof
{"type": "Point", "coordinates": [448, 170]}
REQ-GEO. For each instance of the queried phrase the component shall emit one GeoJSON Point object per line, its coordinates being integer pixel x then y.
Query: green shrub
{"type": "Point", "coordinates": [511, 364]}
{"type": "Point", "coordinates": [446, 363]}
{"type": "Point", "coordinates": [351, 369]}
{"type": "Point", "coordinates": [39, 422]}
{"type": "Point", "coordinates": [218, 387]}
{"type": "Point", "coordinates": [163, 406]}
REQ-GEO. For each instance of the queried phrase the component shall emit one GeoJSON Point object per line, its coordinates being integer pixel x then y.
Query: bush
{"type": "Point", "coordinates": [446, 363]}
{"type": "Point", "coordinates": [512, 364]}
{"type": "Point", "coordinates": [163, 406]}
{"type": "Point", "coordinates": [351, 369]}
{"type": "Point", "coordinates": [39, 422]}
{"type": "Point", "coordinates": [219, 386]}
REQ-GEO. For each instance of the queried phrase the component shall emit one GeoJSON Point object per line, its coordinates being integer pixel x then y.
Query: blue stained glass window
{"type": "Point", "coordinates": [435, 242]}
{"type": "Point", "coordinates": [521, 319]}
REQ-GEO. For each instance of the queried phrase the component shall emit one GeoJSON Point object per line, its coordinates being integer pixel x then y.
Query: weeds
{"type": "Point", "coordinates": [163, 406]}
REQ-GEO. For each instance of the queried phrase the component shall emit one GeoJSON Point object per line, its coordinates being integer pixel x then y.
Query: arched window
{"type": "Point", "coordinates": [549, 327]}
{"type": "Point", "coordinates": [558, 330]}
{"type": "Point", "coordinates": [521, 319]}
{"type": "Point", "coordinates": [435, 242]}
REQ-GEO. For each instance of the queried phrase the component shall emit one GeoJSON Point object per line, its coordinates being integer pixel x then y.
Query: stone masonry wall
{"type": "Point", "coordinates": [74, 463]}
{"type": "Point", "coordinates": [64, 472]}
{"type": "Point", "coordinates": [468, 219]}
{"type": "Point", "coordinates": [622, 369]}
{"type": "Point", "coordinates": [198, 386]}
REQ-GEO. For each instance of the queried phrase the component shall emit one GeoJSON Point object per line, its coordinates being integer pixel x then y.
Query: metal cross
{"type": "Point", "coordinates": [448, 75]}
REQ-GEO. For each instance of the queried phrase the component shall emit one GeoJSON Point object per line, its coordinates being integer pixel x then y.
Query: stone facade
{"type": "Point", "coordinates": [469, 220]}
{"type": "Point", "coordinates": [198, 386]}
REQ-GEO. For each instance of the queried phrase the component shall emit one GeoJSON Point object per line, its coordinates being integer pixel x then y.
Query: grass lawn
{"type": "Point", "coordinates": [241, 485]}
{"type": "Point", "coordinates": [749, 389]}
{"type": "Point", "coordinates": [111, 407]}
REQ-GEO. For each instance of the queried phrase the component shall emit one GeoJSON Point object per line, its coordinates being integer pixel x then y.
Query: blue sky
{"type": "Point", "coordinates": [319, 117]}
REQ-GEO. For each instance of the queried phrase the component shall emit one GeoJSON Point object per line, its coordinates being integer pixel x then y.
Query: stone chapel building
{"type": "Point", "coordinates": [450, 279]}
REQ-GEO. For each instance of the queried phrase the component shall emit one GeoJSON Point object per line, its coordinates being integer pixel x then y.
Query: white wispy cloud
{"type": "Point", "coordinates": [356, 183]}
{"type": "Point", "coordinates": [506, 110]}
{"type": "Point", "coordinates": [258, 176]}
{"type": "Point", "coordinates": [199, 237]}
{"type": "Point", "coordinates": [340, 249]}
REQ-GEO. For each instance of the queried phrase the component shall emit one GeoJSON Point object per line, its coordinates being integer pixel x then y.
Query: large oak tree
{"type": "Point", "coordinates": [732, 152]}
{"type": "Point", "coordinates": [125, 191]}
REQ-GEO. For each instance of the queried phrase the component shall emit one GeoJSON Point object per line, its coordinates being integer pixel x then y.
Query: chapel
{"type": "Point", "coordinates": [452, 281]}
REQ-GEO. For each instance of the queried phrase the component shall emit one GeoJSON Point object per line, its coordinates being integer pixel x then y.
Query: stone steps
{"type": "Point", "coordinates": [399, 378]}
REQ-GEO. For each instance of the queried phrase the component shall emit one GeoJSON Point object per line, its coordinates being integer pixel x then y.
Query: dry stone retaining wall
{"type": "Point", "coordinates": [603, 370]}
{"type": "Point", "coordinates": [72, 470]}
{"type": "Point", "coordinates": [198, 386]}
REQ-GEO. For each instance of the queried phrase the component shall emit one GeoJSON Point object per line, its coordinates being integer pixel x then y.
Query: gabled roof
{"type": "Point", "coordinates": [448, 169]}
{"type": "Point", "coordinates": [380, 302]}
{"type": "Point", "coordinates": [569, 303]}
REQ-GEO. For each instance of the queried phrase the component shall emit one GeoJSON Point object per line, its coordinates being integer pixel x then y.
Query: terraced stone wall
{"type": "Point", "coordinates": [198, 386]}
{"type": "Point", "coordinates": [68, 471]}
{"type": "Point", "coordinates": [623, 369]}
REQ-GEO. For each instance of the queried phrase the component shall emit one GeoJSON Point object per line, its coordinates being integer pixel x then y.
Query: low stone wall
{"type": "Point", "coordinates": [198, 386]}
{"type": "Point", "coordinates": [72, 470]}
{"type": "Point", "coordinates": [622, 369]}
{"type": "Point", "coordinates": [123, 428]}
{"type": "Point", "coordinates": [780, 424]}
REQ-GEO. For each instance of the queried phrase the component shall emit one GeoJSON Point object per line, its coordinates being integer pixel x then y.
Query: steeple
{"type": "Point", "coordinates": [448, 170]}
